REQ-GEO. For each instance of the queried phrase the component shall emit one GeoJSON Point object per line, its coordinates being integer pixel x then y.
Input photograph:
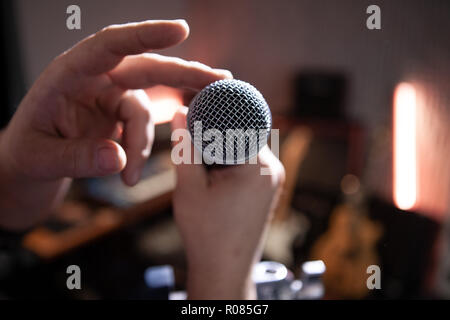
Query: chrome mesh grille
{"type": "Point", "coordinates": [231, 104]}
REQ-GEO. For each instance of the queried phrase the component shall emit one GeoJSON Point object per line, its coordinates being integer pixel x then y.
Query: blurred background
{"type": "Point", "coordinates": [364, 122]}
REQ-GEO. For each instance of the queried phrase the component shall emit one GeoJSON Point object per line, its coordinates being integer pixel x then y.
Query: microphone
{"type": "Point", "coordinates": [229, 122]}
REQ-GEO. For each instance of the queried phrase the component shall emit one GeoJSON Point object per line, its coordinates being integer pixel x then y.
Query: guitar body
{"type": "Point", "coordinates": [347, 248]}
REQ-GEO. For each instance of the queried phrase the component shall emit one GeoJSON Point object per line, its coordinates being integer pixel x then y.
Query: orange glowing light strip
{"type": "Point", "coordinates": [405, 170]}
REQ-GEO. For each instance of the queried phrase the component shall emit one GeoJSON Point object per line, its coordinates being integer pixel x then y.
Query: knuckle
{"type": "Point", "coordinates": [146, 114]}
{"type": "Point", "coordinates": [108, 29]}
{"type": "Point", "coordinates": [105, 32]}
{"type": "Point", "coordinates": [100, 33]}
{"type": "Point", "coordinates": [143, 105]}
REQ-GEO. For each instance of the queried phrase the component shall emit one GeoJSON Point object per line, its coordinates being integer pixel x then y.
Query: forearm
{"type": "Point", "coordinates": [25, 201]}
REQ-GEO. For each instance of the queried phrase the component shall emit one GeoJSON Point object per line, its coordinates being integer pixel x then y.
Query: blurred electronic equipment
{"type": "Point", "coordinates": [320, 94]}
{"type": "Point", "coordinates": [107, 206]}
{"type": "Point", "coordinates": [293, 150]}
{"type": "Point", "coordinates": [319, 102]}
{"type": "Point", "coordinates": [340, 140]}
{"type": "Point", "coordinates": [287, 225]}
{"type": "Point", "coordinates": [273, 282]}
{"type": "Point", "coordinates": [158, 177]}
{"type": "Point", "coordinates": [404, 249]}
{"type": "Point", "coordinates": [442, 278]}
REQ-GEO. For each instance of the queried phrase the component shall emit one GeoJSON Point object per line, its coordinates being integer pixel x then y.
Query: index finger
{"type": "Point", "coordinates": [148, 69]}
{"type": "Point", "coordinates": [102, 51]}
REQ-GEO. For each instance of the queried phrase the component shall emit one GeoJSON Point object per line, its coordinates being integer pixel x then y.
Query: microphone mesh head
{"type": "Point", "coordinates": [225, 105]}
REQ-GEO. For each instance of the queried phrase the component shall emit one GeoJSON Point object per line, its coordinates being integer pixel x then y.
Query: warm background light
{"type": "Point", "coordinates": [405, 162]}
{"type": "Point", "coordinates": [165, 102]}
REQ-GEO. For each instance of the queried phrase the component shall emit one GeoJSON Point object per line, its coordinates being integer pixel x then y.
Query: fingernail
{"type": "Point", "coordinates": [226, 73]}
{"type": "Point", "coordinates": [182, 21]}
{"type": "Point", "coordinates": [108, 160]}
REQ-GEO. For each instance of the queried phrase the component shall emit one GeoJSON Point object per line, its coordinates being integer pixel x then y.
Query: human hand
{"type": "Point", "coordinates": [222, 216]}
{"type": "Point", "coordinates": [85, 100]}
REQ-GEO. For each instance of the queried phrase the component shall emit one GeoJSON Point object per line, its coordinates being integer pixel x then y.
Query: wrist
{"type": "Point", "coordinates": [221, 280]}
{"type": "Point", "coordinates": [219, 285]}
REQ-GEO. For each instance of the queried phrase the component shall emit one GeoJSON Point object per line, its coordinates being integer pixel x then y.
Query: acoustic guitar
{"type": "Point", "coordinates": [348, 247]}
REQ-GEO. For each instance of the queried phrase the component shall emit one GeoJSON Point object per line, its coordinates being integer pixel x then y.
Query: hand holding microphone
{"type": "Point", "coordinates": [86, 116]}
{"type": "Point", "coordinates": [223, 214]}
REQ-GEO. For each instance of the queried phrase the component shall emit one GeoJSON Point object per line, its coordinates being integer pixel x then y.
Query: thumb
{"type": "Point", "coordinates": [188, 173]}
{"type": "Point", "coordinates": [83, 158]}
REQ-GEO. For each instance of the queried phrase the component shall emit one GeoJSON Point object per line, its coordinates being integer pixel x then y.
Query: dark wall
{"type": "Point", "coordinates": [12, 87]}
